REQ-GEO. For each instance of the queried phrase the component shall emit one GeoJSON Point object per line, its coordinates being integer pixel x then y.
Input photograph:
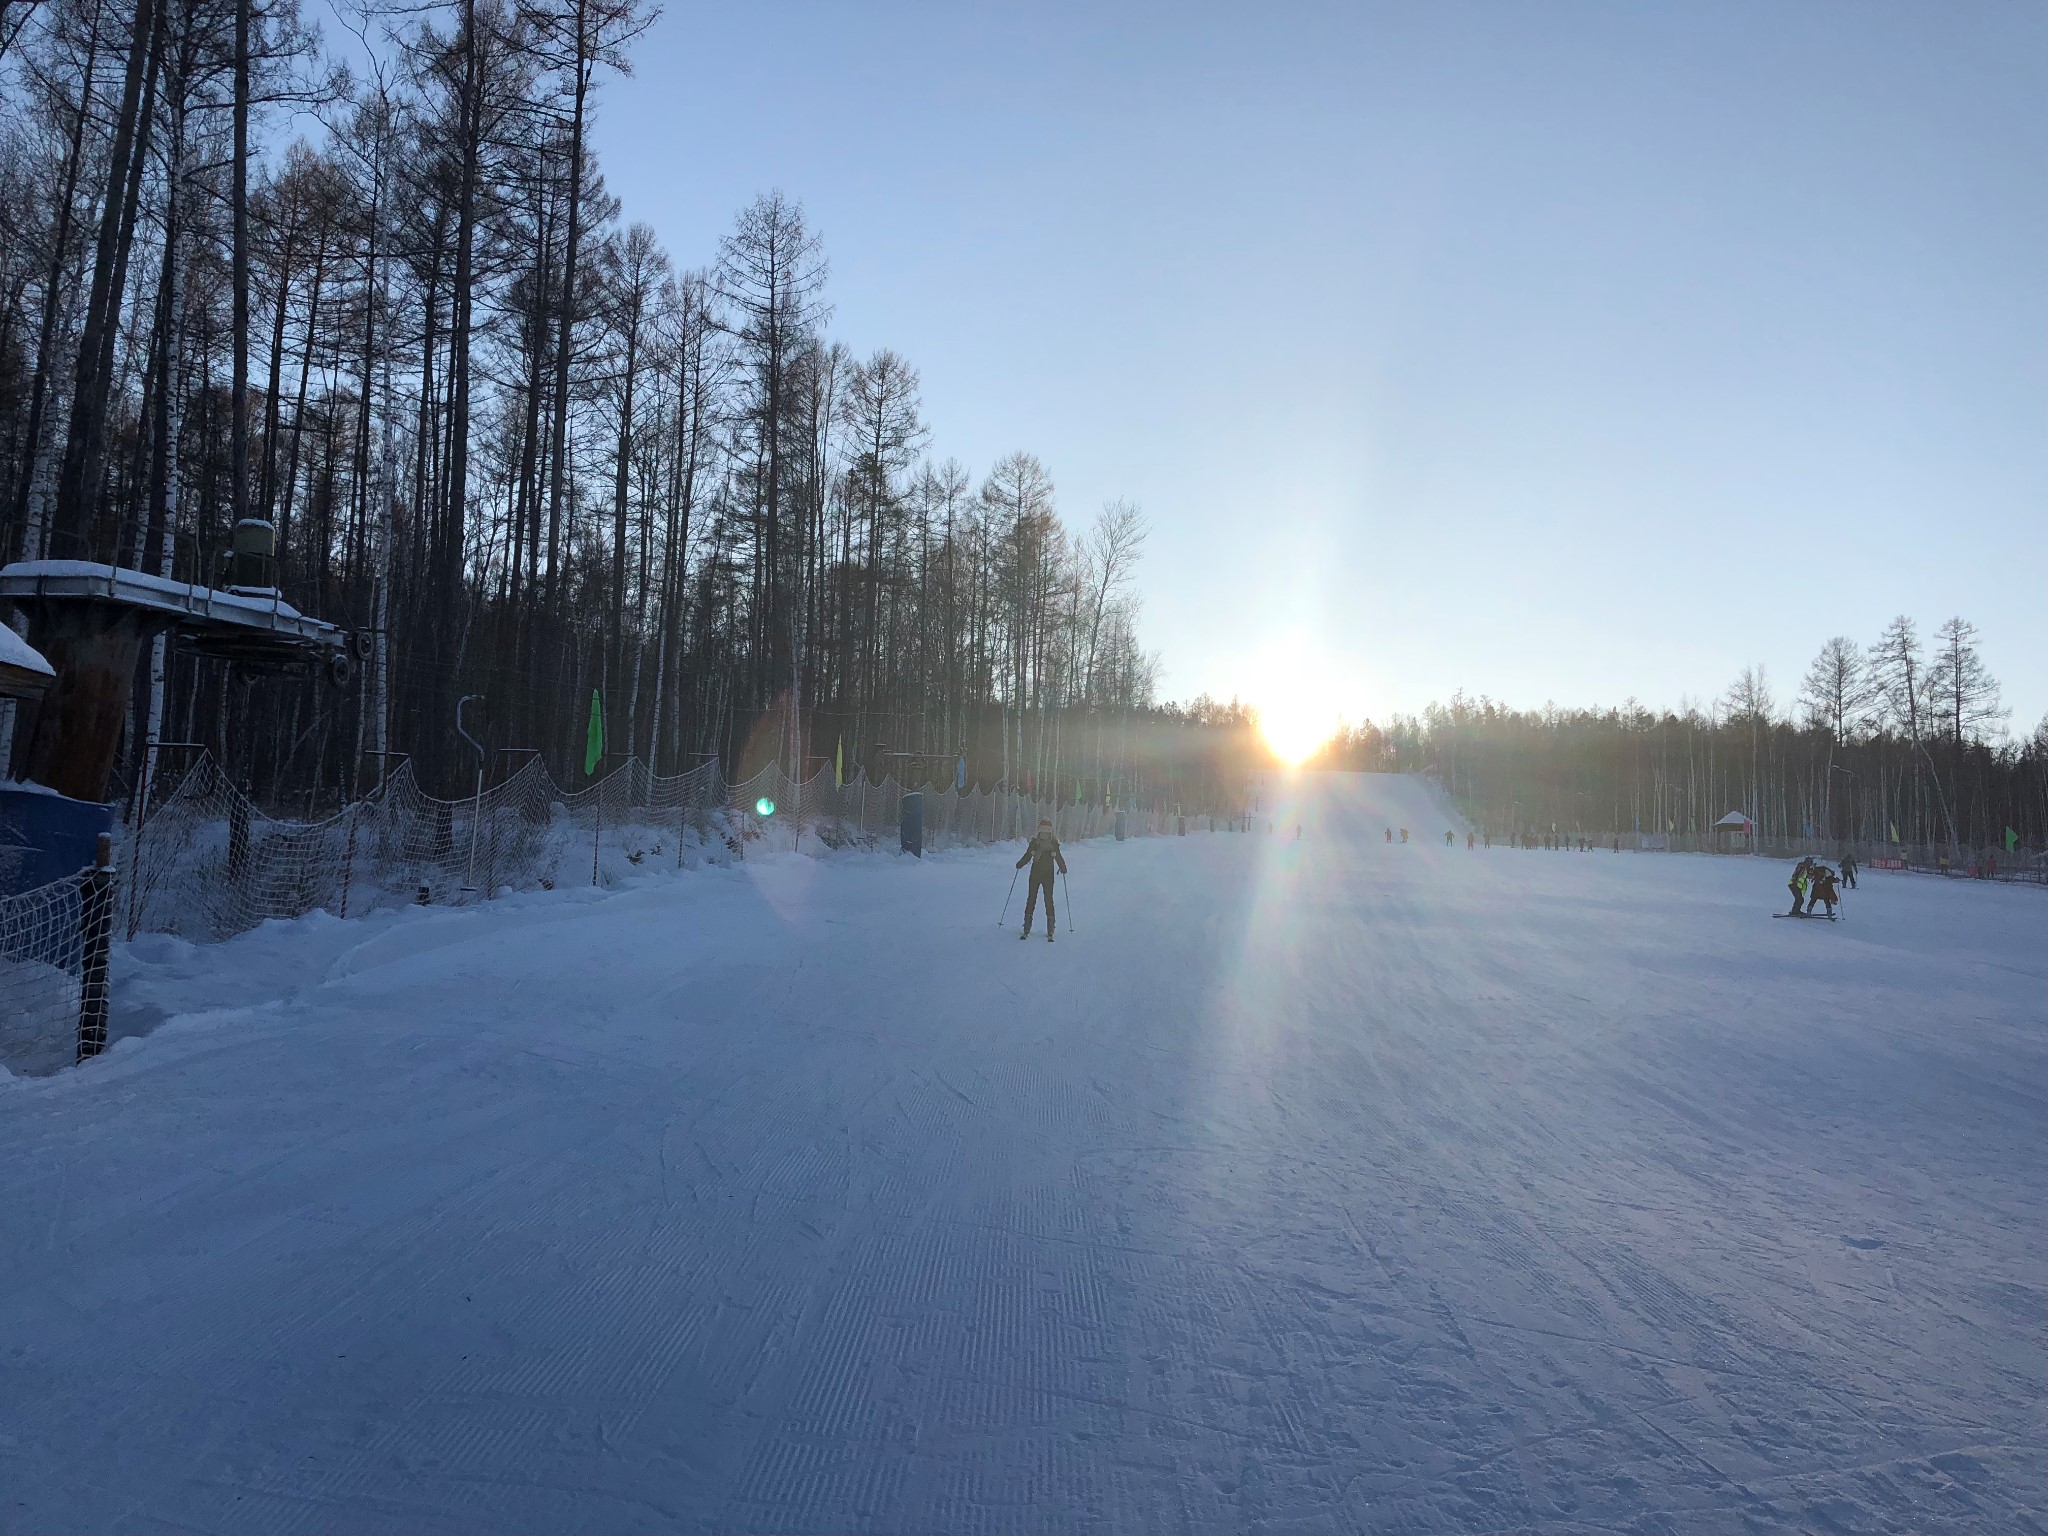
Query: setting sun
{"type": "Point", "coordinates": [1296, 722]}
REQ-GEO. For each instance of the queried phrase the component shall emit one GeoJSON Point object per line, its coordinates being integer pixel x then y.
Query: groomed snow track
{"type": "Point", "coordinates": [1302, 1187]}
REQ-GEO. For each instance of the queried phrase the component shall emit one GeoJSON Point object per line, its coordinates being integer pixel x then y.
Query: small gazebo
{"type": "Point", "coordinates": [1735, 832]}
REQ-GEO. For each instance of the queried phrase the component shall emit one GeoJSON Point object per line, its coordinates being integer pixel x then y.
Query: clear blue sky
{"type": "Point", "coordinates": [1554, 351]}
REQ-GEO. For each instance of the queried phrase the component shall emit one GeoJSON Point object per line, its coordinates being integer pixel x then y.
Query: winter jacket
{"type": "Point", "coordinates": [1041, 853]}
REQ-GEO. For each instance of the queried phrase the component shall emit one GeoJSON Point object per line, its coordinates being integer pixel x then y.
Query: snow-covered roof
{"type": "Point", "coordinates": [53, 574]}
{"type": "Point", "coordinates": [24, 672]}
{"type": "Point", "coordinates": [1733, 819]}
{"type": "Point", "coordinates": [215, 615]}
{"type": "Point", "coordinates": [17, 652]}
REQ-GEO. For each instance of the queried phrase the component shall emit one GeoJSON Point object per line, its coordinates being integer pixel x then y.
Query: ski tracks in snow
{"type": "Point", "coordinates": [1318, 1186]}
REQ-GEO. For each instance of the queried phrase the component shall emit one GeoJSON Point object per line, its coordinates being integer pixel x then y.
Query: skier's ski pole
{"type": "Point", "coordinates": [1067, 886]}
{"type": "Point", "coordinates": [1007, 899]}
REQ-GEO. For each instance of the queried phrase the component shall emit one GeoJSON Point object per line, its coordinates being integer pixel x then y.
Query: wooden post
{"type": "Point", "coordinates": [135, 863]}
{"type": "Point", "coordinates": [348, 857]}
{"type": "Point", "coordinates": [238, 834]}
{"type": "Point", "coordinates": [96, 937]}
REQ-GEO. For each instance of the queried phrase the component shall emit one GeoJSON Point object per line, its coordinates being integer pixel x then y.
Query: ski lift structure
{"type": "Point", "coordinates": [92, 621]}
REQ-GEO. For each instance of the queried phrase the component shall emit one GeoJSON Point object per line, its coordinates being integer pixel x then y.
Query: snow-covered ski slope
{"type": "Point", "coordinates": [1356, 807]}
{"type": "Point", "coordinates": [1301, 1187]}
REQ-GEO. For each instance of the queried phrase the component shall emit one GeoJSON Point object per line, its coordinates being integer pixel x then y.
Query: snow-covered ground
{"type": "Point", "coordinates": [1303, 1186]}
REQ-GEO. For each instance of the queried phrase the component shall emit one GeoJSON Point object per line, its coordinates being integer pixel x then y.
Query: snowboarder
{"type": "Point", "coordinates": [1041, 853]}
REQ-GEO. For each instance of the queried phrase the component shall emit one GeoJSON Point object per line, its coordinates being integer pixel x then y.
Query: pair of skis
{"type": "Point", "coordinates": [1819, 917]}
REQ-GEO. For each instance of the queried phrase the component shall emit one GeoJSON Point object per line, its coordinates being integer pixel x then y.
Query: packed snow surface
{"type": "Point", "coordinates": [1304, 1185]}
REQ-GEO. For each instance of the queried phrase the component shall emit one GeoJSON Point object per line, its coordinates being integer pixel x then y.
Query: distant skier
{"type": "Point", "coordinates": [1041, 853]}
{"type": "Point", "coordinates": [1450, 837]}
{"type": "Point", "coordinates": [1849, 870]}
{"type": "Point", "coordinates": [1469, 842]}
{"type": "Point", "coordinates": [1404, 834]}
{"type": "Point", "coordinates": [1390, 834]}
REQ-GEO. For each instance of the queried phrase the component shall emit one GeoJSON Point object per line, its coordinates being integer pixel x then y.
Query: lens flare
{"type": "Point", "coordinates": [764, 807]}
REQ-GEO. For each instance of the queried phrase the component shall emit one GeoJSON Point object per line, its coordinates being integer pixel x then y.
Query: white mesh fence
{"type": "Point", "coordinates": [53, 978]}
{"type": "Point", "coordinates": [207, 863]}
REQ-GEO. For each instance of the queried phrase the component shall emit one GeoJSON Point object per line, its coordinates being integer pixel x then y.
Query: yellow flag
{"type": "Point", "coordinates": [839, 766]}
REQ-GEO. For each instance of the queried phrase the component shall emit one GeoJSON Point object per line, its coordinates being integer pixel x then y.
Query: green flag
{"type": "Point", "coordinates": [2012, 839]}
{"type": "Point", "coordinates": [1895, 831]}
{"type": "Point", "coordinates": [593, 745]}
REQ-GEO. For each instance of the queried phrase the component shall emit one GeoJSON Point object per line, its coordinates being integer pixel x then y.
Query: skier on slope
{"type": "Point", "coordinates": [1797, 885]}
{"type": "Point", "coordinates": [1041, 853]}
{"type": "Point", "coordinates": [1849, 870]}
{"type": "Point", "coordinates": [1823, 890]}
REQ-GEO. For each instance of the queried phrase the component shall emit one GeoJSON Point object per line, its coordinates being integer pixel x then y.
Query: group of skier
{"type": "Point", "coordinates": [1450, 838]}
{"type": "Point", "coordinates": [1569, 842]}
{"type": "Point", "coordinates": [1813, 886]}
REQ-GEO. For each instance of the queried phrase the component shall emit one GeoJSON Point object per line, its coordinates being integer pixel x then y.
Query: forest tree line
{"type": "Point", "coordinates": [504, 438]}
{"type": "Point", "coordinates": [1900, 742]}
